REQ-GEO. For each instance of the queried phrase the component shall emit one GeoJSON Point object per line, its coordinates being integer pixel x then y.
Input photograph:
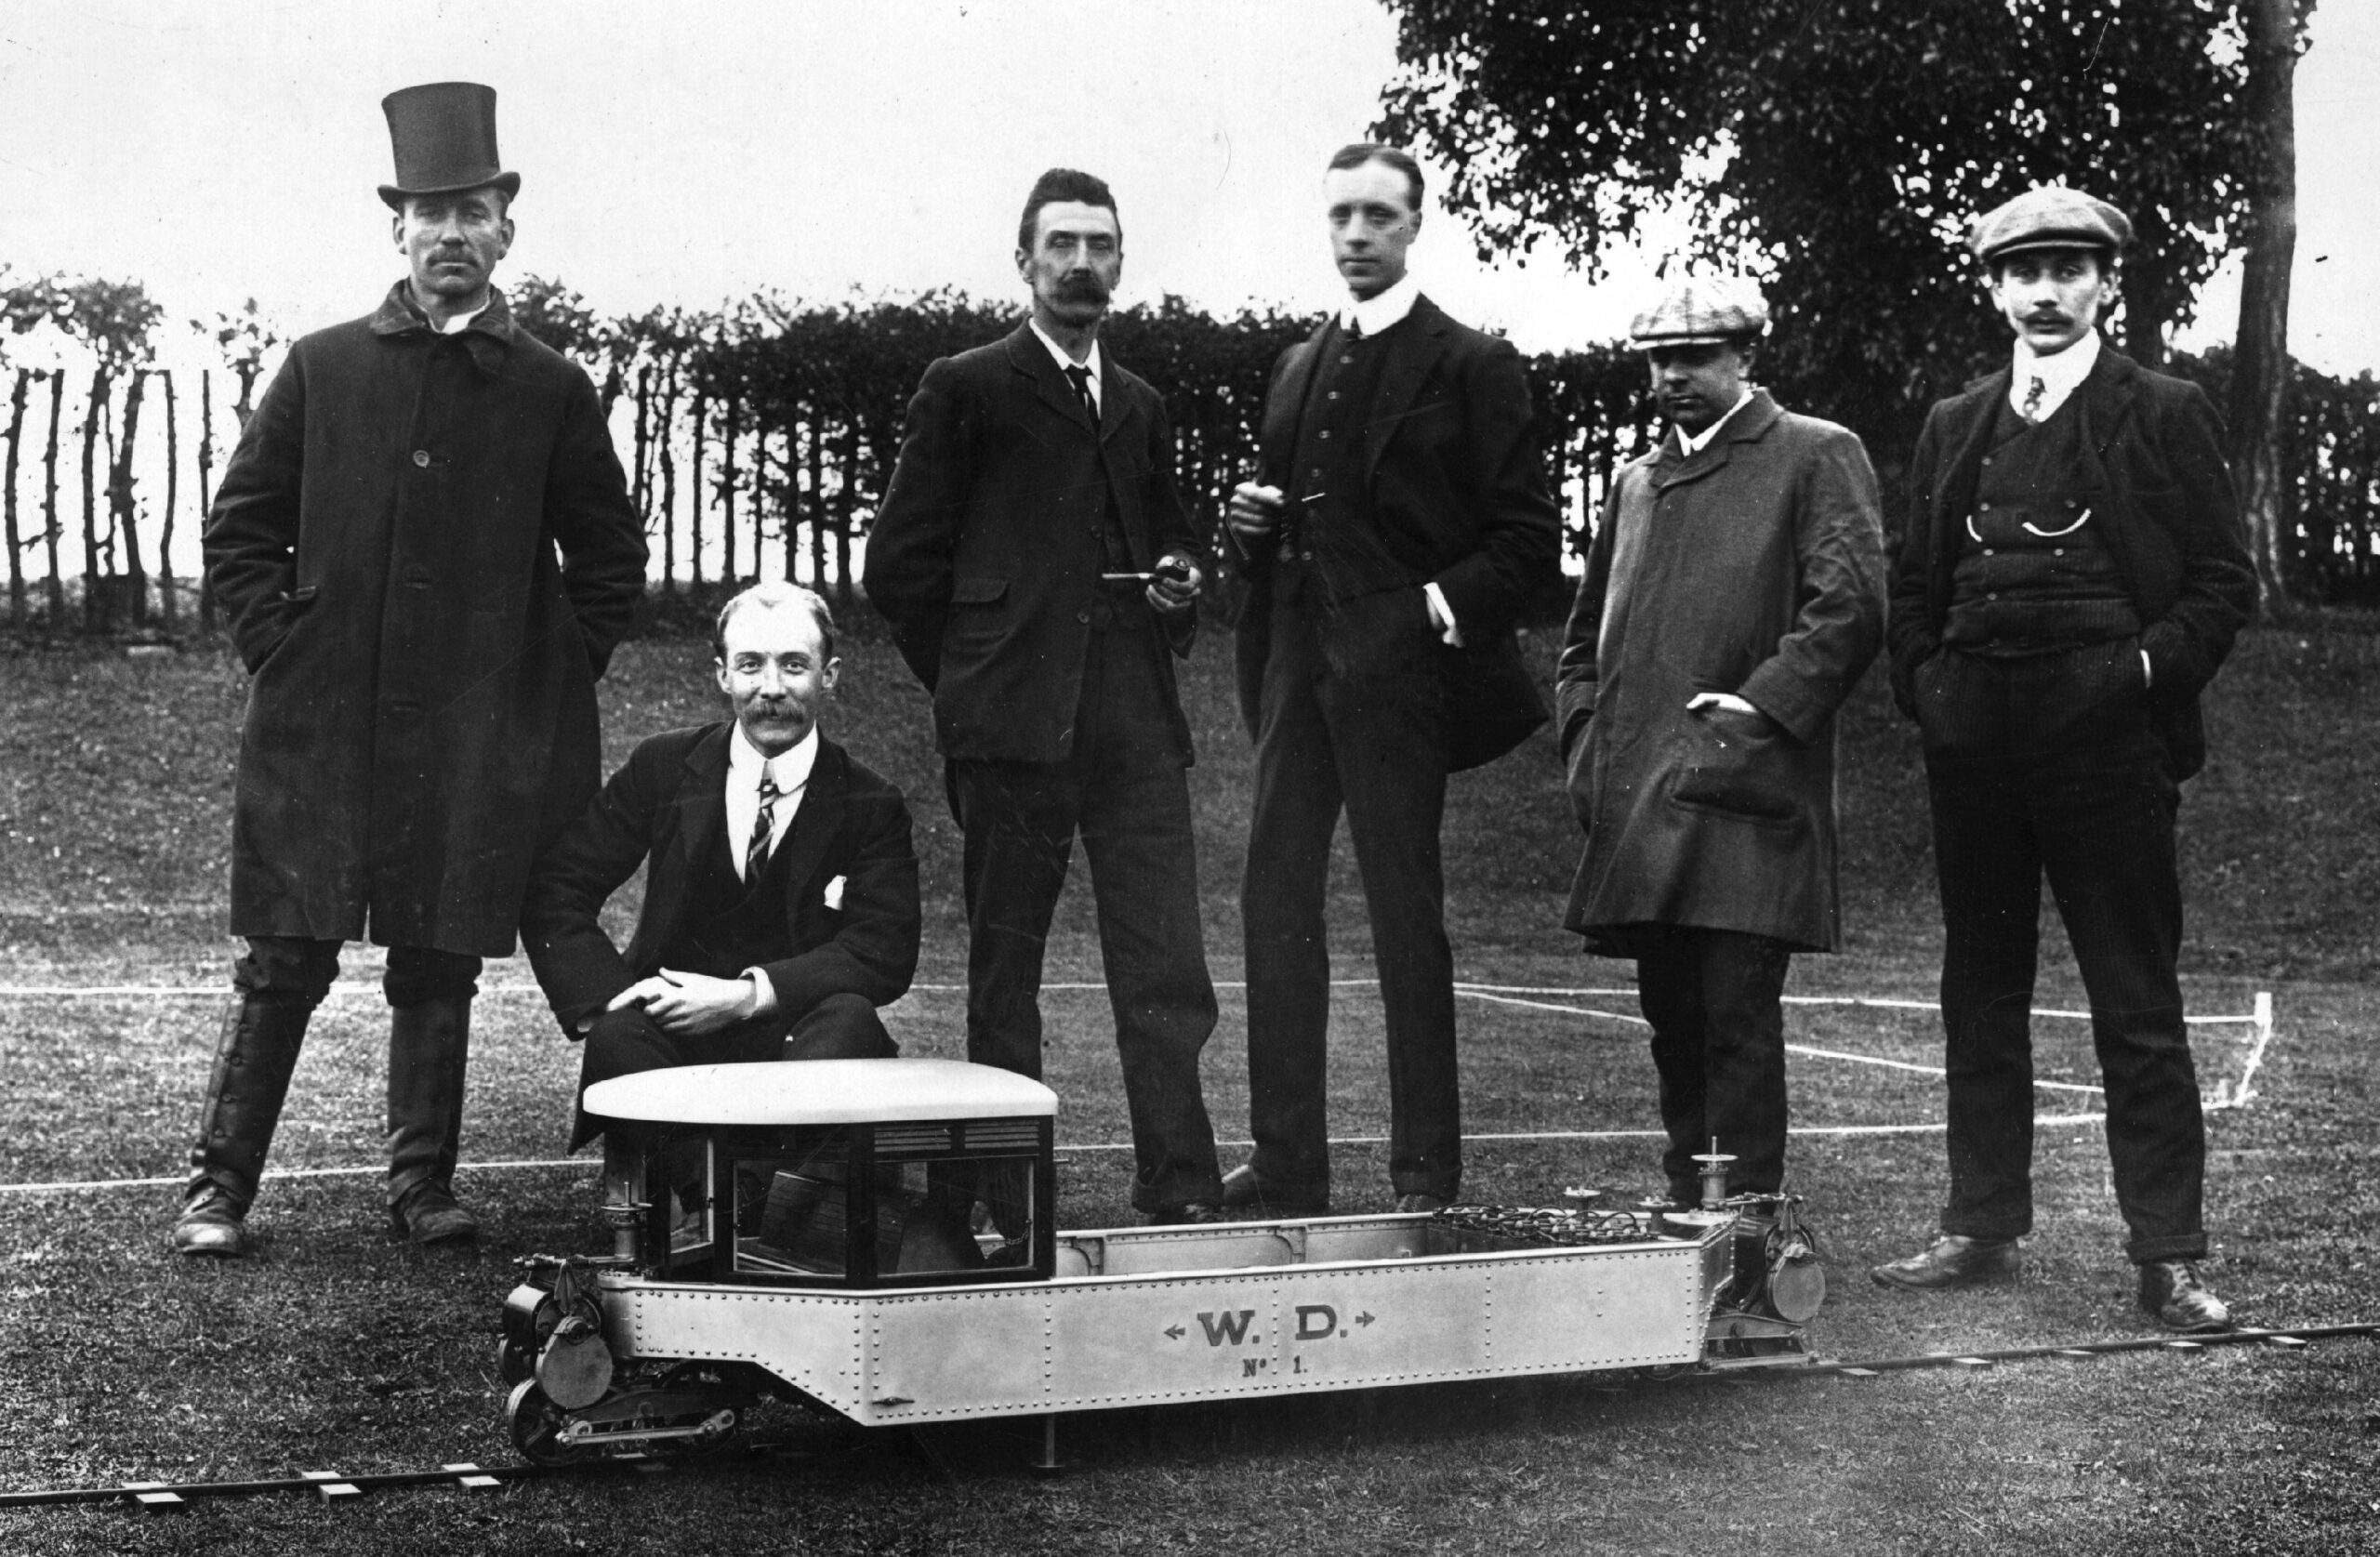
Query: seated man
{"type": "Point", "coordinates": [781, 904]}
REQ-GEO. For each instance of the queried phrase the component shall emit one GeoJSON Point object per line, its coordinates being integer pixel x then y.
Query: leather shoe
{"type": "Point", "coordinates": [1952, 1259]}
{"type": "Point", "coordinates": [2171, 1290]}
{"type": "Point", "coordinates": [1189, 1213]}
{"type": "Point", "coordinates": [1243, 1191]}
{"type": "Point", "coordinates": [429, 1215]}
{"type": "Point", "coordinates": [1420, 1204]}
{"type": "Point", "coordinates": [212, 1224]}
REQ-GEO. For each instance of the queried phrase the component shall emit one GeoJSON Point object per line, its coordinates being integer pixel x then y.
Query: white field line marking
{"type": "Point", "coordinates": [593, 1164]}
{"type": "Point", "coordinates": [1480, 992]}
{"type": "Point", "coordinates": [2260, 1019]}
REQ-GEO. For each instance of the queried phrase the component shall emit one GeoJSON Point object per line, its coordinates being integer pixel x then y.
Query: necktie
{"type": "Point", "coordinates": [756, 853]}
{"type": "Point", "coordinates": [1355, 329]}
{"type": "Point", "coordinates": [1079, 377]}
{"type": "Point", "coordinates": [2031, 409]}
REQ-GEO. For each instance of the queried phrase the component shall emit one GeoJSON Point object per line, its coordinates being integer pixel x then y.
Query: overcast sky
{"type": "Point", "coordinates": [694, 153]}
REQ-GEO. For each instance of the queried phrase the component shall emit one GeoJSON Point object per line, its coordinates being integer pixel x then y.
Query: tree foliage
{"type": "Point", "coordinates": [1844, 144]}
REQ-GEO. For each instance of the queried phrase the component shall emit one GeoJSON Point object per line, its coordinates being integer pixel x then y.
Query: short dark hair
{"type": "Point", "coordinates": [776, 597]}
{"type": "Point", "coordinates": [1362, 152]}
{"type": "Point", "coordinates": [1062, 184]}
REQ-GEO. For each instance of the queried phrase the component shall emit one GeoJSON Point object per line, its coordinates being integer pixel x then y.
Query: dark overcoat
{"type": "Point", "coordinates": [1755, 567]}
{"type": "Point", "coordinates": [2154, 475]}
{"type": "Point", "coordinates": [426, 552]}
{"type": "Point", "coordinates": [986, 554]}
{"type": "Point", "coordinates": [668, 805]}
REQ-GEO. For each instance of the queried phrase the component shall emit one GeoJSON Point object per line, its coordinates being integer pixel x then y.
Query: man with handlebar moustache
{"type": "Point", "coordinates": [1040, 575]}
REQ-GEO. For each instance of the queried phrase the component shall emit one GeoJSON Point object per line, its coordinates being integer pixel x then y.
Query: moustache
{"type": "Point", "coordinates": [1082, 289]}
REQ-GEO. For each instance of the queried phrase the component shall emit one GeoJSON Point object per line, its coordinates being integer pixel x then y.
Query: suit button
{"type": "Point", "coordinates": [2058, 551]}
{"type": "Point", "coordinates": [1986, 551]}
{"type": "Point", "coordinates": [1083, 616]}
{"type": "Point", "coordinates": [1324, 435]}
{"type": "Point", "coordinates": [421, 458]}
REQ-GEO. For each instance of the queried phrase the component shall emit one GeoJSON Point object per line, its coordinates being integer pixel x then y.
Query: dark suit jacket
{"type": "Point", "coordinates": [987, 553]}
{"type": "Point", "coordinates": [2154, 472]}
{"type": "Point", "coordinates": [1454, 492]}
{"type": "Point", "coordinates": [668, 803]}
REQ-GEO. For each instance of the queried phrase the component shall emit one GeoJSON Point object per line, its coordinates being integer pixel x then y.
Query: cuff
{"type": "Point", "coordinates": [1442, 616]}
{"type": "Point", "coordinates": [764, 994]}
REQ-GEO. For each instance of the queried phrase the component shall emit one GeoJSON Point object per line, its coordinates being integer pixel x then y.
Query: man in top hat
{"type": "Point", "coordinates": [1040, 572]}
{"type": "Point", "coordinates": [1399, 523]}
{"type": "Point", "coordinates": [781, 891]}
{"type": "Point", "coordinates": [1733, 595]}
{"type": "Point", "coordinates": [2072, 572]}
{"type": "Point", "coordinates": [426, 552]}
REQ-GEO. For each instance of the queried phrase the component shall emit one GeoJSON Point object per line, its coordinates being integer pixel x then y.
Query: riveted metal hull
{"type": "Point", "coordinates": [1145, 1316]}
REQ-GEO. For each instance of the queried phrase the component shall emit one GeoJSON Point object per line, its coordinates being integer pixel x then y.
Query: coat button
{"type": "Point", "coordinates": [421, 458]}
{"type": "Point", "coordinates": [1083, 616]}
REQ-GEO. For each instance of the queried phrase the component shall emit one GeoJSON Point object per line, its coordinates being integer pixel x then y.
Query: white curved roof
{"type": "Point", "coordinates": [821, 1092]}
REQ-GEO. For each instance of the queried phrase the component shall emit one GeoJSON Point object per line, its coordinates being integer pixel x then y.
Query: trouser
{"type": "Point", "coordinates": [2048, 767]}
{"type": "Point", "coordinates": [1714, 999]}
{"type": "Point", "coordinates": [281, 981]}
{"type": "Point", "coordinates": [627, 1041]}
{"type": "Point", "coordinates": [1368, 738]}
{"type": "Point", "coordinates": [1123, 788]}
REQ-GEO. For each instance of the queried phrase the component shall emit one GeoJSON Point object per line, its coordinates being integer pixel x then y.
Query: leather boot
{"type": "Point", "coordinates": [253, 1062]}
{"type": "Point", "coordinates": [428, 1049]}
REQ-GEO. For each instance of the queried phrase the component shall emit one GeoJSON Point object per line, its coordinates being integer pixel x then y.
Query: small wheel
{"type": "Point", "coordinates": [535, 1423]}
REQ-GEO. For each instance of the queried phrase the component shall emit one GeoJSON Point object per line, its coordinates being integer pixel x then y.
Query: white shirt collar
{"type": "Point", "coordinates": [2061, 374]}
{"type": "Point", "coordinates": [1697, 442]}
{"type": "Point", "coordinates": [456, 324]}
{"type": "Point", "coordinates": [1065, 361]}
{"type": "Point", "coordinates": [1378, 311]}
{"type": "Point", "coordinates": [790, 766]}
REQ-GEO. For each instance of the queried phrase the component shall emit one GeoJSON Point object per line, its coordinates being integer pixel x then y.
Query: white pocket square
{"type": "Point", "coordinates": [835, 893]}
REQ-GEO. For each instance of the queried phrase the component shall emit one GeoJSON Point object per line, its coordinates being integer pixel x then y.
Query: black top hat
{"type": "Point", "coordinates": [444, 138]}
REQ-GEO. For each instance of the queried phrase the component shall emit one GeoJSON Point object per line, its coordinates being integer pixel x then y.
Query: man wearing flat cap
{"type": "Point", "coordinates": [2072, 572]}
{"type": "Point", "coordinates": [1734, 593]}
{"type": "Point", "coordinates": [426, 552]}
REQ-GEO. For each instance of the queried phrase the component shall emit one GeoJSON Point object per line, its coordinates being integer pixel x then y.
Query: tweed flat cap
{"type": "Point", "coordinates": [2050, 218]}
{"type": "Point", "coordinates": [1699, 310]}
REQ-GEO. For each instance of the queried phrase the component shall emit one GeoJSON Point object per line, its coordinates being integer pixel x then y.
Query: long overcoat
{"type": "Point", "coordinates": [421, 711]}
{"type": "Point", "coordinates": [1757, 567]}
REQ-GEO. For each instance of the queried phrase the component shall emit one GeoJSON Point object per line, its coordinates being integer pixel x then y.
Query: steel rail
{"type": "Point", "coordinates": [162, 1495]}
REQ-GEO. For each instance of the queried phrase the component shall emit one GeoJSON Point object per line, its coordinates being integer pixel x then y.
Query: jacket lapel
{"type": "Point", "coordinates": [815, 823]}
{"type": "Point", "coordinates": [1029, 357]}
{"type": "Point", "coordinates": [1412, 352]}
{"type": "Point", "coordinates": [702, 794]}
{"type": "Point", "coordinates": [1283, 406]}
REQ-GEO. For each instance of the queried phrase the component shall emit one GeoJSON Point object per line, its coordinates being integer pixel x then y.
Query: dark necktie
{"type": "Point", "coordinates": [2031, 409]}
{"type": "Point", "coordinates": [1079, 377]}
{"type": "Point", "coordinates": [756, 853]}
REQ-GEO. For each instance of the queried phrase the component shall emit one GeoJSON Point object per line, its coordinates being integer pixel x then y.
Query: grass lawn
{"type": "Point", "coordinates": [336, 1349]}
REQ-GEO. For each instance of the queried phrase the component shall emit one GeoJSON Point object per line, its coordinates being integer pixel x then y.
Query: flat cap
{"type": "Point", "coordinates": [1699, 310]}
{"type": "Point", "coordinates": [2050, 218]}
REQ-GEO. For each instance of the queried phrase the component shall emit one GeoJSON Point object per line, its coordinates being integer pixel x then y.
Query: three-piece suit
{"type": "Point", "coordinates": [1056, 711]}
{"type": "Point", "coordinates": [831, 918]}
{"type": "Point", "coordinates": [1405, 458]}
{"type": "Point", "coordinates": [2063, 592]}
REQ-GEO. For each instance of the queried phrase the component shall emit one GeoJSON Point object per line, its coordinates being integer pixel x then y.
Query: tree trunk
{"type": "Point", "coordinates": [125, 522]}
{"type": "Point", "coordinates": [205, 477]}
{"type": "Point", "coordinates": [665, 427]}
{"type": "Point", "coordinates": [165, 604]}
{"type": "Point", "coordinates": [728, 437]}
{"type": "Point", "coordinates": [15, 546]}
{"type": "Point", "coordinates": [51, 532]}
{"type": "Point", "coordinates": [789, 504]}
{"type": "Point", "coordinates": [2260, 366]}
{"type": "Point", "coordinates": [816, 505]}
{"type": "Point", "coordinates": [92, 602]}
{"type": "Point", "coordinates": [695, 490]}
